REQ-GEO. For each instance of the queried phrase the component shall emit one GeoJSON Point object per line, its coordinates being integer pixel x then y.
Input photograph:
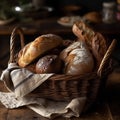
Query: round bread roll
{"type": "Point", "coordinates": [49, 64]}
{"type": "Point", "coordinates": [77, 59]}
{"type": "Point", "coordinates": [38, 47]}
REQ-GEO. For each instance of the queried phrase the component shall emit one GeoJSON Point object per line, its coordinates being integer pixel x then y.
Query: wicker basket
{"type": "Point", "coordinates": [66, 87]}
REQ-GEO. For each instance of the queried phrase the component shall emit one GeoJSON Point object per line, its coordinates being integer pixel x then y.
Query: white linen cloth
{"type": "Point", "coordinates": [20, 82]}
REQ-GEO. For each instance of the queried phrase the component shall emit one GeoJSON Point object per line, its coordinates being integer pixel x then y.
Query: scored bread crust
{"type": "Point", "coordinates": [94, 40]}
{"type": "Point", "coordinates": [83, 32]}
{"type": "Point", "coordinates": [77, 59]}
{"type": "Point", "coordinates": [99, 47]}
{"type": "Point", "coordinates": [38, 47]}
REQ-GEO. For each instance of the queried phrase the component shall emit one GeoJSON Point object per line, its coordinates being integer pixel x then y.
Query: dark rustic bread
{"type": "Point", "coordinates": [49, 64]}
{"type": "Point", "coordinates": [31, 67]}
{"type": "Point", "coordinates": [99, 47]}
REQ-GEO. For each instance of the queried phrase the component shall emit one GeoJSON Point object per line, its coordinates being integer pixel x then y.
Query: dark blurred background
{"type": "Point", "coordinates": [58, 5]}
{"type": "Point", "coordinates": [89, 5]}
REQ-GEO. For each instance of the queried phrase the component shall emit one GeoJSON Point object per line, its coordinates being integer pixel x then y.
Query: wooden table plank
{"type": "Point", "coordinates": [3, 112]}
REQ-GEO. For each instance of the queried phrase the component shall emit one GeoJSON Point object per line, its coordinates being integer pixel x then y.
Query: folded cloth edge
{"type": "Point", "coordinates": [22, 81]}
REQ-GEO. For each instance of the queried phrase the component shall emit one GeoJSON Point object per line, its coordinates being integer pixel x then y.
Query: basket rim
{"type": "Point", "coordinates": [88, 76]}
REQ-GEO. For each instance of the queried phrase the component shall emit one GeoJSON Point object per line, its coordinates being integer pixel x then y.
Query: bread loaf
{"type": "Point", "coordinates": [94, 40]}
{"type": "Point", "coordinates": [83, 32]}
{"type": "Point", "coordinates": [38, 47]}
{"type": "Point", "coordinates": [22, 51]}
{"type": "Point", "coordinates": [77, 59]}
{"type": "Point", "coordinates": [99, 47]}
{"type": "Point", "coordinates": [49, 64]}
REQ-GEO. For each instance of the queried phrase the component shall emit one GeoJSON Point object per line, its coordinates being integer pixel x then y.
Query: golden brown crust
{"type": "Point", "coordinates": [38, 47]}
{"type": "Point", "coordinates": [21, 53]}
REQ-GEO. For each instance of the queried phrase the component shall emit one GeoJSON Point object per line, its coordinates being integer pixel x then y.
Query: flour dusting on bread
{"type": "Point", "coordinates": [77, 58]}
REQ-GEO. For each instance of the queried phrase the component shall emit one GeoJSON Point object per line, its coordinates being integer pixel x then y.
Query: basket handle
{"type": "Point", "coordinates": [19, 31]}
{"type": "Point", "coordinates": [106, 57]}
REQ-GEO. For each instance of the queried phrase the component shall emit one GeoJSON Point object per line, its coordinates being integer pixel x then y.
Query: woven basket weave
{"type": "Point", "coordinates": [66, 87]}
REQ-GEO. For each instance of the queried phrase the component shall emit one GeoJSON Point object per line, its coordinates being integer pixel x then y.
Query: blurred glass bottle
{"type": "Point", "coordinates": [109, 12]}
